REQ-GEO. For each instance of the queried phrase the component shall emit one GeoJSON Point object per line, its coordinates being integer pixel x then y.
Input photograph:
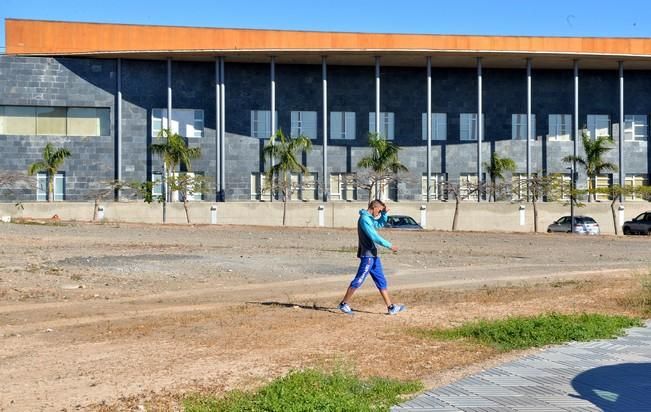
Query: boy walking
{"type": "Point", "coordinates": [371, 219]}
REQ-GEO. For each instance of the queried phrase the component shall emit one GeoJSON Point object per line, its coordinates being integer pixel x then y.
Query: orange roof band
{"type": "Point", "coordinates": [34, 37]}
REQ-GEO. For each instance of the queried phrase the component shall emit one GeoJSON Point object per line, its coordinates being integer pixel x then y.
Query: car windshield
{"type": "Point", "coordinates": [402, 220]}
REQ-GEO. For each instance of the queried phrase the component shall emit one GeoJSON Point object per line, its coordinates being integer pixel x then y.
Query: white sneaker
{"type": "Point", "coordinates": [345, 308]}
{"type": "Point", "coordinates": [394, 309]}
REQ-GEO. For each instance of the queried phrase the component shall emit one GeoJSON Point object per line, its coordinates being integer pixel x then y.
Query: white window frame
{"type": "Point", "coordinates": [634, 180]}
{"type": "Point", "coordinates": [600, 182]}
{"type": "Point", "coordinates": [519, 126]}
{"type": "Point", "coordinates": [464, 180]}
{"type": "Point", "coordinates": [179, 117]}
{"type": "Point", "coordinates": [598, 125]}
{"type": "Point", "coordinates": [635, 127]}
{"type": "Point", "coordinates": [563, 186]}
{"type": "Point", "coordinates": [59, 188]}
{"type": "Point", "coordinates": [387, 124]}
{"type": "Point", "coordinates": [342, 186]}
{"type": "Point", "coordinates": [519, 186]}
{"type": "Point", "coordinates": [560, 127]}
{"type": "Point", "coordinates": [192, 196]}
{"type": "Point", "coordinates": [342, 125]}
{"type": "Point", "coordinates": [468, 127]}
{"type": "Point", "coordinates": [261, 123]}
{"type": "Point", "coordinates": [258, 182]}
{"type": "Point", "coordinates": [157, 184]}
{"type": "Point", "coordinates": [437, 186]}
{"type": "Point", "coordinates": [304, 123]}
{"type": "Point", "coordinates": [439, 126]}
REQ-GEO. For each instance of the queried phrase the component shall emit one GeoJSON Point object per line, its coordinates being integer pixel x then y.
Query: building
{"type": "Point", "coordinates": [105, 90]}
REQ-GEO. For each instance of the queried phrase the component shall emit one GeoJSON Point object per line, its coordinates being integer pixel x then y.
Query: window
{"type": "Point", "coordinates": [439, 126]}
{"type": "Point", "coordinates": [468, 186]}
{"type": "Point", "coordinates": [468, 126]}
{"type": "Point", "coordinates": [304, 186]}
{"type": "Point", "coordinates": [342, 125]}
{"type": "Point", "coordinates": [303, 123]}
{"type": "Point", "coordinates": [437, 186]}
{"type": "Point", "coordinates": [634, 181]}
{"type": "Point", "coordinates": [560, 126]}
{"type": "Point", "coordinates": [519, 127]}
{"type": "Point", "coordinates": [635, 127]}
{"type": "Point", "coordinates": [54, 121]}
{"type": "Point", "coordinates": [598, 125]}
{"type": "Point", "coordinates": [343, 187]}
{"type": "Point", "coordinates": [602, 183]}
{"type": "Point", "coordinates": [157, 185]}
{"type": "Point", "coordinates": [42, 194]}
{"type": "Point", "coordinates": [194, 190]}
{"type": "Point", "coordinates": [258, 183]}
{"type": "Point", "coordinates": [519, 186]}
{"type": "Point", "coordinates": [261, 124]}
{"type": "Point", "coordinates": [560, 187]}
{"type": "Point", "coordinates": [51, 121]}
{"type": "Point", "coordinates": [186, 122]}
{"type": "Point", "coordinates": [387, 122]}
{"type": "Point", "coordinates": [88, 121]}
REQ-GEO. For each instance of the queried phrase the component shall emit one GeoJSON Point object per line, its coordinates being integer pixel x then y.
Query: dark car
{"type": "Point", "coordinates": [641, 224]}
{"type": "Point", "coordinates": [402, 222]}
{"type": "Point", "coordinates": [582, 225]}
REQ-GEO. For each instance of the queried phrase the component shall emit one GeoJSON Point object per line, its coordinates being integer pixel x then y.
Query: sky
{"type": "Point", "coordinates": [577, 18]}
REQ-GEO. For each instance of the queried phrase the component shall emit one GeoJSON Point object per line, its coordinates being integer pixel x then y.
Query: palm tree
{"type": "Point", "coordinates": [173, 151]}
{"type": "Point", "coordinates": [496, 168]}
{"type": "Point", "coordinates": [593, 163]}
{"type": "Point", "coordinates": [52, 160]}
{"type": "Point", "coordinates": [383, 162]}
{"type": "Point", "coordinates": [284, 150]}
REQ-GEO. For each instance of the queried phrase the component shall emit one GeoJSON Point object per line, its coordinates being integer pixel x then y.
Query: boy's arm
{"type": "Point", "coordinates": [368, 226]}
{"type": "Point", "coordinates": [381, 221]}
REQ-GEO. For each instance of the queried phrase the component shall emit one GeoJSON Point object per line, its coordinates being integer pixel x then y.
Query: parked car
{"type": "Point", "coordinates": [641, 224]}
{"type": "Point", "coordinates": [582, 224]}
{"type": "Point", "coordinates": [402, 222]}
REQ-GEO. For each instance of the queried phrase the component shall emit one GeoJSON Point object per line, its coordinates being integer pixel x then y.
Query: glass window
{"type": "Point", "coordinates": [560, 187]}
{"type": "Point", "coordinates": [51, 121]}
{"type": "Point", "coordinates": [635, 127]}
{"type": "Point", "coordinates": [468, 185]}
{"type": "Point", "coordinates": [185, 122]}
{"type": "Point", "coordinates": [598, 125]}
{"type": "Point", "coordinates": [303, 123]}
{"type": "Point", "coordinates": [387, 123]}
{"type": "Point", "coordinates": [633, 181]}
{"type": "Point", "coordinates": [343, 187]}
{"type": "Point", "coordinates": [437, 186]}
{"type": "Point", "coordinates": [193, 191]}
{"type": "Point", "coordinates": [439, 126]}
{"type": "Point", "coordinates": [560, 126]}
{"type": "Point", "coordinates": [258, 183]}
{"type": "Point", "coordinates": [602, 182]}
{"type": "Point", "coordinates": [261, 124]}
{"type": "Point", "coordinates": [42, 194]}
{"type": "Point", "coordinates": [157, 184]}
{"type": "Point", "coordinates": [307, 189]}
{"type": "Point", "coordinates": [18, 120]}
{"type": "Point", "coordinates": [342, 125]}
{"type": "Point", "coordinates": [519, 126]}
{"type": "Point", "coordinates": [88, 121]}
{"type": "Point", "coordinates": [468, 126]}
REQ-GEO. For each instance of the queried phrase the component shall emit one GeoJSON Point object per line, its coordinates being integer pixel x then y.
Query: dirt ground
{"type": "Point", "coordinates": [127, 317]}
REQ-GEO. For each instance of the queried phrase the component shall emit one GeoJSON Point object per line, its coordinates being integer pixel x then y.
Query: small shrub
{"type": "Point", "coordinates": [527, 332]}
{"type": "Point", "coordinates": [308, 391]}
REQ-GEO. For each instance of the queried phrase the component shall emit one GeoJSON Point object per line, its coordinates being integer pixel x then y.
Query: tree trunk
{"type": "Point", "coordinates": [95, 207]}
{"type": "Point", "coordinates": [535, 215]}
{"type": "Point", "coordinates": [185, 206]}
{"type": "Point", "coordinates": [612, 210]}
{"type": "Point", "coordinates": [50, 187]}
{"type": "Point", "coordinates": [284, 209]}
{"type": "Point", "coordinates": [456, 213]}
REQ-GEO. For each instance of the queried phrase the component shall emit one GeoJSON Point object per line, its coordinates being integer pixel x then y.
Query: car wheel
{"type": "Point", "coordinates": [627, 230]}
{"type": "Point", "coordinates": [549, 231]}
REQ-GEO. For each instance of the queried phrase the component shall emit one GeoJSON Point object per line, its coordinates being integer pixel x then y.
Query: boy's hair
{"type": "Point", "coordinates": [376, 203]}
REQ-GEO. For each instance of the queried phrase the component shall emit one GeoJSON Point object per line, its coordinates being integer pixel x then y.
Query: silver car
{"type": "Point", "coordinates": [402, 222]}
{"type": "Point", "coordinates": [584, 225]}
{"type": "Point", "coordinates": [641, 224]}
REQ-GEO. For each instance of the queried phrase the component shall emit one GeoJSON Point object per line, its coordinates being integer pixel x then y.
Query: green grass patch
{"type": "Point", "coordinates": [546, 329]}
{"type": "Point", "coordinates": [309, 391]}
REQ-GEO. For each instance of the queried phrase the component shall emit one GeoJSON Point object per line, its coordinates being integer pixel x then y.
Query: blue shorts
{"type": "Point", "coordinates": [373, 266]}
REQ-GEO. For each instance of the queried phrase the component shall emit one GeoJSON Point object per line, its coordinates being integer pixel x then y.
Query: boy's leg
{"type": "Point", "coordinates": [363, 270]}
{"type": "Point", "coordinates": [377, 273]}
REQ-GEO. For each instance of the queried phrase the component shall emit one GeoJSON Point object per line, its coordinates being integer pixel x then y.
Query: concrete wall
{"type": "Point", "coordinates": [473, 216]}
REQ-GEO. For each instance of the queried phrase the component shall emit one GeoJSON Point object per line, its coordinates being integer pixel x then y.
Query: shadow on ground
{"type": "Point", "coordinates": [310, 307]}
{"type": "Point", "coordinates": [624, 387]}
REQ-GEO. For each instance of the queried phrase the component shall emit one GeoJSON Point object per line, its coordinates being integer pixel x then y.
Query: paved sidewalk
{"type": "Point", "coordinates": [607, 375]}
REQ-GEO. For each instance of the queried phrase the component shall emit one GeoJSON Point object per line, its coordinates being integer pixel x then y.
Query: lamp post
{"type": "Point", "coordinates": [571, 169]}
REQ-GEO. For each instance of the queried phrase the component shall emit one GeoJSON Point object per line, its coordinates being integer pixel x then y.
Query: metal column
{"type": "Point", "coordinates": [480, 129]}
{"type": "Point", "coordinates": [222, 134]}
{"type": "Point", "coordinates": [326, 182]}
{"type": "Point", "coordinates": [622, 176]}
{"type": "Point", "coordinates": [218, 129]}
{"type": "Point", "coordinates": [576, 121]}
{"type": "Point", "coordinates": [529, 136]}
{"type": "Point", "coordinates": [118, 129]}
{"type": "Point", "coordinates": [429, 127]}
{"type": "Point", "coordinates": [377, 96]}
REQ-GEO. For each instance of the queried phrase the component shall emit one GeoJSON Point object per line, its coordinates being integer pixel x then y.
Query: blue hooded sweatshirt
{"type": "Point", "coordinates": [367, 234]}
